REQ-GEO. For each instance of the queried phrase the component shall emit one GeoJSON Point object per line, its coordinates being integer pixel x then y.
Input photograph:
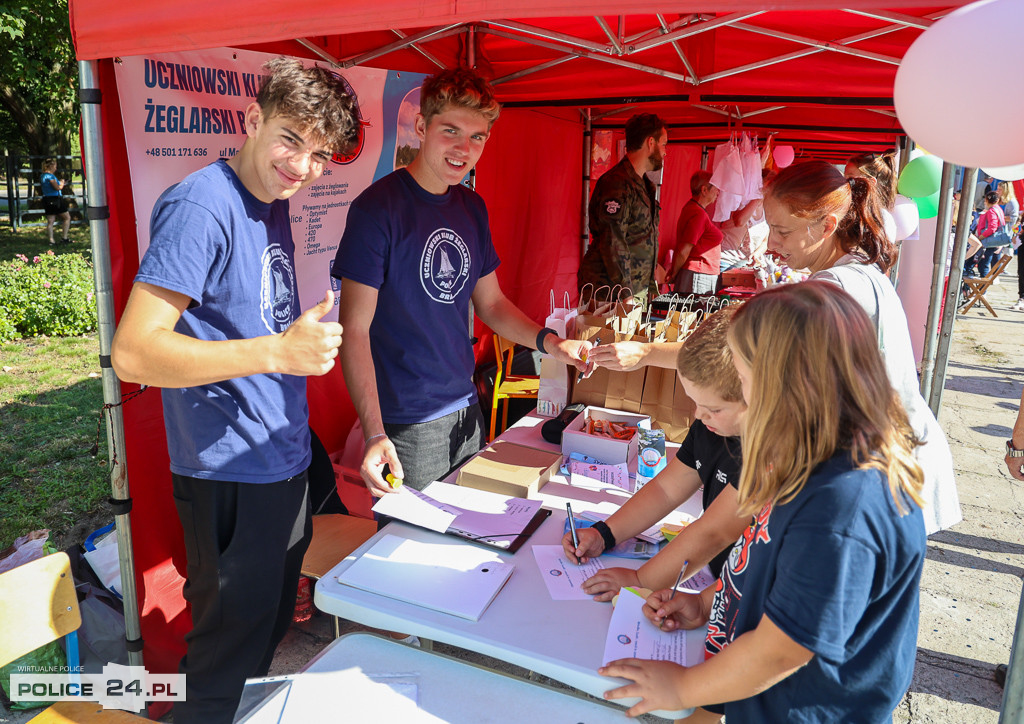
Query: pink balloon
{"type": "Point", "coordinates": [940, 92]}
{"type": "Point", "coordinates": [783, 155]}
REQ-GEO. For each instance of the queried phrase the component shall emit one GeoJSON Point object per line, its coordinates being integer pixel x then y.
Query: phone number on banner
{"type": "Point", "coordinates": [177, 151]}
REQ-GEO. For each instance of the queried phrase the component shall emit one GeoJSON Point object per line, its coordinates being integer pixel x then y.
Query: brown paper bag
{"type": "Point", "coordinates": [667, 403]}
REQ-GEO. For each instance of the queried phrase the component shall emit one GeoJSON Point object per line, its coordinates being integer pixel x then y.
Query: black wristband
{"type": "Point", "coordinates": [540, 338]}
{"type": "Point", "coordinates": [606, 533]}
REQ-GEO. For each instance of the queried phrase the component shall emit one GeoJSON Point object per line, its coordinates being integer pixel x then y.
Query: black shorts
{"type": "Point", "coordinates": [53, 205]}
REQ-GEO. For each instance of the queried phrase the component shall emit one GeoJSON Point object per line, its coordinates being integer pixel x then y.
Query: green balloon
{"type": "Point", "coordinates": [921, 177]}
{"type": "Point", "coordinates": [928, 206]}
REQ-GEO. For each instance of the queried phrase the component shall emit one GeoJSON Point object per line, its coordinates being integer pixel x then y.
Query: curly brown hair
{"type": "Point", "coordinates": [319, 100]}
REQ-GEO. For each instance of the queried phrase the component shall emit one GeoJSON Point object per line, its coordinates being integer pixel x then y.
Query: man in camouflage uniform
{"type": "Point", "coordinates": [624, 214]}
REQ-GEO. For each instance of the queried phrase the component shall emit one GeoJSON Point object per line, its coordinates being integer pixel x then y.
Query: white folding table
{"type": "Point", "coordinates": [563, 640]}
{"type": "Point", "coordinates": [344, 683]}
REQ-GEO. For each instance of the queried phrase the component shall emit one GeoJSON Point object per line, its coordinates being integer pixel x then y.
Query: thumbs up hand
{"type": "Point", "coordinates": [310, 346]}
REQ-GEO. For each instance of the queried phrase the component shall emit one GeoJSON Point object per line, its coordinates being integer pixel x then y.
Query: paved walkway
{"type": "Point", "coordinates": [972, 579]}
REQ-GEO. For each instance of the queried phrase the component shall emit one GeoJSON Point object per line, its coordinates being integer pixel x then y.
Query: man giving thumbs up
{"type": "Point", "coordinates": [213, 319]}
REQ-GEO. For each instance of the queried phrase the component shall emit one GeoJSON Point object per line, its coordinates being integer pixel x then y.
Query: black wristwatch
{"type": "Point", "coordinates": [606, 534]}
{"type": "Point", "coordinates": [1012, 452]}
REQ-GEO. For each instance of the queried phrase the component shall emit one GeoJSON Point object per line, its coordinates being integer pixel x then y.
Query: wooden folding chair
{"type": "Point", "coordinates": [38, 604]}
{"type": "Point", "coordinates": [508, 386]}
{"type": "Point", "coordinates": [335, 536]}
{"type": "Point", "coordinates": [977, 287]}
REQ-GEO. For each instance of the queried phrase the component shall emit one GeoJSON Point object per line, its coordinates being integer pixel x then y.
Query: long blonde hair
{"type": "Point", "coordinates": [817, 385]}
{"type": "Point", "coordinates": [1006, 192]}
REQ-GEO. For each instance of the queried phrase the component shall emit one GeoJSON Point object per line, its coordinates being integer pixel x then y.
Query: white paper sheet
{"type": "Point", "coordinates": [564, 578]}
{"type": "Point", "coordinates": [467, 512]}
{"type": "Point", "coordinates": [412, 506]}
{"type": "Point", "coordinates": [698, 581]}
{"type": "Point", "coordinates": [598, 477]}
{"type": "Point", "coordinates": [456, 577]}
{"type": "Point", "coordinates": [632, 636]}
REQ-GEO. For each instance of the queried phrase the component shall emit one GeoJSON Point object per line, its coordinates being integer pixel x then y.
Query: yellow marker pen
{"type": "Point", "coordinates": [393, 481]}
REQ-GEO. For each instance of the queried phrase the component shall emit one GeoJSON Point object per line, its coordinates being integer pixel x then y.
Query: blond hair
{"type": "Point", "coordinates": [705, 359]}
{"type": "Point", "coordinates": [1006, 191]}
{"type": "Point", "coordinates": [458, 88]}
{"type": "Point", "coordinates": [817, 385]}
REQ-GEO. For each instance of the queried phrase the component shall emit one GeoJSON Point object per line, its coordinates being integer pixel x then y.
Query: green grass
{"type": "Point", "coordinates": [50, 401]}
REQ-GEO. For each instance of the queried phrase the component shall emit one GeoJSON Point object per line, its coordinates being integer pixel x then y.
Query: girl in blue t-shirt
{"type": "Point", "coordinates": [815, 617]}
{"type": "Point", "coordinates": [54, 205]}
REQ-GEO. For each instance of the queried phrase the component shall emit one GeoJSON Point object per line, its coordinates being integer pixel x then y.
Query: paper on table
{"type": "Point", "coordinates": [632, 636]}
{"type": "Point", "coordinates": [652, 534]}
{"type": "Point", "coordinates": [412, 506]}
{"type": "Point", "coordinates": [366, 697]}
{"type": "Point", "coordinates": [698, 581]}
{"type": "Point", "coordinates": [451, 577]}
{"type": "Point", "coordinates": [564, 578]}
{"type": "Point", "coordinates": [590, 475]}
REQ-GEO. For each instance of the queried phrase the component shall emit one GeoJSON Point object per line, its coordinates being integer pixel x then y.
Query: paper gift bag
{"type": "Point", "coordinates": [667, 403]}
{"type": "Point", "coordinates": [553, 392]}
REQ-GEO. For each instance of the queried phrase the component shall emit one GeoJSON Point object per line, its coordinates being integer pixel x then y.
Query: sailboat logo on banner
{"type": "Point", "coordinates": [444, 268]}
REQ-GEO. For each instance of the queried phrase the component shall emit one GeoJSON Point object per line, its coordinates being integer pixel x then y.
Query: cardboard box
{"type": "Point", "coordinates": [741, 277]}
{"type": "Point", "coordinates": [509, 469]}
{"type": "Point", "coordinates": [606, 449]}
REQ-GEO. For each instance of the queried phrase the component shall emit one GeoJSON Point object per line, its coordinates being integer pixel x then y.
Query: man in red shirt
{"type": "Point", "coordinates": [698, 241]}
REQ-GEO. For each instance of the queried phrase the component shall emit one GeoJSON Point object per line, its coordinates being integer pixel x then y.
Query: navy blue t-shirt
{"type": "Point", "coordinates": [717, 462]}
{"type": "Point", "coordinates": [837, 569]}
{"type": "Point", "coordinates": [233, 255]}
{"type": "Point", "coordinates": [423, 254]}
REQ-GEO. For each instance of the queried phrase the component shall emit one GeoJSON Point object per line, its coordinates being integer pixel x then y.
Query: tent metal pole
{"type": "Point", "coordinates": [471, 48]}
{"type": "Point", "coordinates": [419, 49]}
{"type": "Point", "coordinates": [441, 31]}
{"type": "Point", "coordinates": [533, 69]}
{"type": "Point", "coordinates": [704, 158]}
{"type": "Point", "coordinates": [554, 35]}
{"type": "Point", "coordinates": [911, 21]}
{"type": "Point", "coordinates": [956, 272]}
{"type": "Point", "coordinates": [679, 51]}
{"type": "Point", "coordinates": [931, 329]}
{"type": "Point", "coordinates": [1013, 688]}
{"type": "Point", "coordinates": [92, 140]}
{"type": "Point", "coordinates": [823, 44]}
{"type": "Point", "coordinates": [584, 53]}
{"type": "Point", "coordinates": [588, 141]}
{"type": "Point", "coordinates": [616, 46]}
{"type": "Point", "coordinates": [732, 19]}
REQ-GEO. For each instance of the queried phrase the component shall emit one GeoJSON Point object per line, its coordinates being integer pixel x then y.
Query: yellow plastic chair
{"type": "Point", "coordinates": [508, 386]}
{"type": "Point", "coordinates": [38, 605]}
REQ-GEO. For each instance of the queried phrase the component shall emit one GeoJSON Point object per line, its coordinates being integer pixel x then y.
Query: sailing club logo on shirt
{"type": "Point", "coordinates": [277, 282]}
{"type": "Point", "coordinates": [612, 206]}
{"type": "Point", "coordinates": [444, 266]}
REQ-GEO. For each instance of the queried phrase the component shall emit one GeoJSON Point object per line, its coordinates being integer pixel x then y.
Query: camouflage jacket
{"type": "Point", "coordinates": [624, 233]}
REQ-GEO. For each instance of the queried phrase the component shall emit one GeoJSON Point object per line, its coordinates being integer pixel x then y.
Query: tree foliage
{"type": "Point", "coordinates": [38, 77]}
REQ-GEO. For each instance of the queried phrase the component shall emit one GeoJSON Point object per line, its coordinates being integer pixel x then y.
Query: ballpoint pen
{"type": "Point", "coordinates": [572, 526]}
{"type": "Point", "coordinates": [679, 580]}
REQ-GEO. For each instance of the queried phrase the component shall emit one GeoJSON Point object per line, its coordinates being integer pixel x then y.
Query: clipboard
{"type": "Point", "coordinates": [478, 516]}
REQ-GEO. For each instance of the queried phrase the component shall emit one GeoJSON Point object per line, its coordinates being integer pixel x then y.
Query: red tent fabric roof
{"type": "Point", "coordinates": [108, 28]}
{"type": "Point", "coordinates": [821, 77]}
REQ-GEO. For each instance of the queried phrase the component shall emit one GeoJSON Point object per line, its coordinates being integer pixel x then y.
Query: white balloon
{"type": "Point", "coordinates": [944, 88]}
{"type": "Point", "coordinates": [889, 225]}
{"type": "Point", "coordinates": [1005, 173]}
{"type": "Point", "coordinates": [906, 216]}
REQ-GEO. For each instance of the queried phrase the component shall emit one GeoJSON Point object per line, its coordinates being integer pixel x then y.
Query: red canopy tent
{"type": "Point", "coordinates": [818, 74]}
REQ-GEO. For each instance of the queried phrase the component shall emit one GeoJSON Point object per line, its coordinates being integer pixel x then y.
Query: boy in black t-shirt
{"type": "Point", "coordinates": [709, 456]}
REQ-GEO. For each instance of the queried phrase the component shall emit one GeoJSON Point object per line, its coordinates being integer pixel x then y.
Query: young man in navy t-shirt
{"type": "Point", "coordinates": [213, 319]}
{"type": "Point", "coordinates": [416, 251]}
